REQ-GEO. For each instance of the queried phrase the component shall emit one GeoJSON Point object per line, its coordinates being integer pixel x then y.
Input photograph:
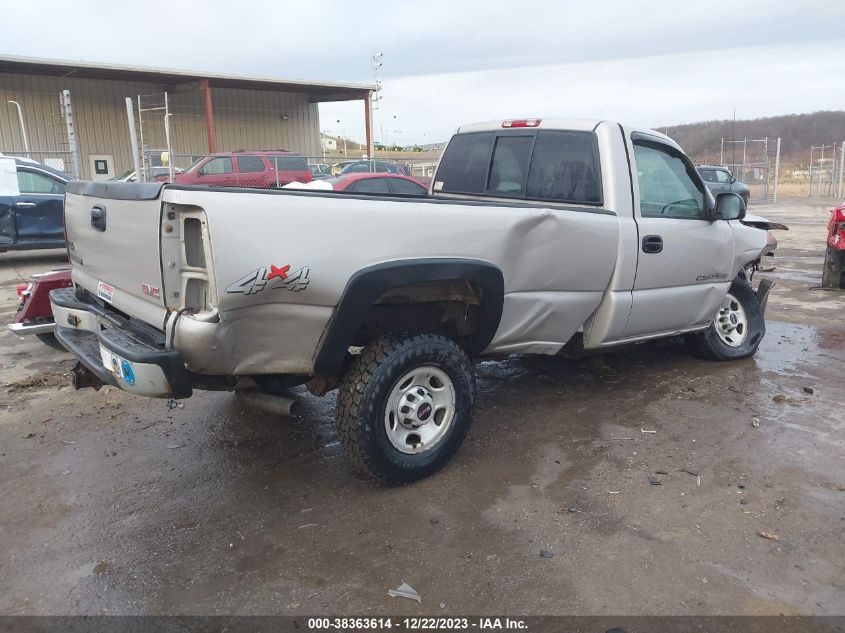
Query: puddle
{"type": "Point", "coordinates": [787, 345]}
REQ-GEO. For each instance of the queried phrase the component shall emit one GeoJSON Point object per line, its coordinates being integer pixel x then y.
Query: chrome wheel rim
{"type": "Point", "coordinates": [731, 322]}
{"type": "Point", "coordinates": [419, 410]}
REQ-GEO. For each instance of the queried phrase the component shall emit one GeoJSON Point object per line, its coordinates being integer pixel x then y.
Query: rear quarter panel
{"type": "Point", "coordinates": [556, 264]}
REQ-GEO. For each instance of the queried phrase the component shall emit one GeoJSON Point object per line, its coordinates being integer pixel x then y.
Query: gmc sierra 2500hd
{"type": "Point", "coordinates": [536, 235]}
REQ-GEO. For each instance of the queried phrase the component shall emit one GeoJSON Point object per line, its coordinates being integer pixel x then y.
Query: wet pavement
{"type": "Point", "coordinates": [645, 477]}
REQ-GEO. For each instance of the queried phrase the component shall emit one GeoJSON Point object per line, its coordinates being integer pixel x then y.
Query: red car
{"type": "Point", "coordinates": [35, 316]}
{"type": "Point", "coordinates": [272, 168]}
{"type": "Point", "coordinates": [377, 183]}
{"type": "Point", "coordinates": [833, 273]}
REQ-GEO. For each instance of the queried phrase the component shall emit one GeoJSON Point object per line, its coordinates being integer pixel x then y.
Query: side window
{"type": "Point", "coordinates": [32, 182]}
{"type": "Point", "coordinates": [723, 177]}
{"type": "Point", "coordinates": [370, 185]}
{"type": "Point", "coordinates": [509, 169]}
{"type": "Point", "coordinates": [463, 168]}
{"type": "Point", "coordinates": [357, 168]}
{"type": "Point", "coordinates": [668, 185]}
{"type": "Point", "coordinates": [400, 185]}
{"type": "Point", "coordinates": [709, 175]}
{"type": "Point", "coordinates": [219, 165]}
{"type": "Point", "coordinates": [289, 163]}
{"type": "Point", "coordinates": [565, 168]}
{"type": "Point", "coordinates": [250, 164]}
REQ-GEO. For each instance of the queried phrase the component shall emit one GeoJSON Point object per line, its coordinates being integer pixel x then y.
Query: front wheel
{"type": "Point", "coordinates": [736, 329]}
{"type": "Point", "coordinates": [405, 406]}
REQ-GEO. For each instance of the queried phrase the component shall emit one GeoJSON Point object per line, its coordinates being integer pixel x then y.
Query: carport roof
{"type": "Point", "coordinates": [319, 90]}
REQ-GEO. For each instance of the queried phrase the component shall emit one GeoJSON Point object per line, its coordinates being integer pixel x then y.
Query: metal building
{"type": "Point", "coordinates": [74, 113]}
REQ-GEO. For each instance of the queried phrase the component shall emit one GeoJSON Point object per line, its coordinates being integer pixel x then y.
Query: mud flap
{"type": "Point", "coordinates": [762, 293]}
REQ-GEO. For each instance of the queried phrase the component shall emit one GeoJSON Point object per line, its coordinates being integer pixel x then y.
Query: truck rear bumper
{"type": "Point", "coordinates": [115, 350]}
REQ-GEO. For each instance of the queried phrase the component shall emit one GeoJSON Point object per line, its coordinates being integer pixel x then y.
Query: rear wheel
{"type": "Point", "coordinates": [736, 329]}
{"type": "Point", "coordinates": [405, 406]}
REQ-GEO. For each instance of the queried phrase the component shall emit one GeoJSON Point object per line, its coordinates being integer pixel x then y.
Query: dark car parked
{"type": "Point", "coordinates": [719, 179]}
{"type": "Point", "coordinates": [32, 212]}
{"type": "Point", "coordinates": [376, 166]}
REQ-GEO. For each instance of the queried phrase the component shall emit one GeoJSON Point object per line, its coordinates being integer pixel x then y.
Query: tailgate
{"type": "Point", "coordinates": [113, 231]}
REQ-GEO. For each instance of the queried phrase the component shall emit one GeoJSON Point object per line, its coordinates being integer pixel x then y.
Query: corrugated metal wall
{"type": "Point", "coordinates": [244, 119]}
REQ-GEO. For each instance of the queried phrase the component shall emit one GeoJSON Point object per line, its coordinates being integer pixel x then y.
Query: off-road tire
{"type": "Point", "coordinates": [709, 345]}
{"type": "Point", "coordinates": [360, 415]}
{"type": "Point", "coordinates": [49, 339]}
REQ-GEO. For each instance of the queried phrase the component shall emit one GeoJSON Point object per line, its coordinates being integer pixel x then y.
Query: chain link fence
{"type": "Point", "coordinates": [754, 162]}
{"type": "Point", "coordinates": [274, 168]}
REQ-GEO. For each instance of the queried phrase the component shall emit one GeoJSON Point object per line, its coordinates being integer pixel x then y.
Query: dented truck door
{"type": "Point", "coordinates": [684, 260]}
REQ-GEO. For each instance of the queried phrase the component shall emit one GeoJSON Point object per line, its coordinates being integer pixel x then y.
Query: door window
{"type": "Point", "coordinates": [709, 175]}
{"type": "Point", "coordinates": [219, 165]}
{"type": "Point", "coordinates": [723, 177]}
{"type": "Point", "coordinates": [370, 185]}
{"type": "Point", "coordinates": [250, 164]}
{"type": "Point", "coordinates": [669, 187]}
{"type": "Point", "coordinates": [33, 182]}
{"type": "Point", "coordinates": [400, 185]}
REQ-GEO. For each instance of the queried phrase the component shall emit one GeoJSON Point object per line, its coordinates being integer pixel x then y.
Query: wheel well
{"type": "Point", "coordinates": [448, 307]}
{"type": "Point", "coordinates": [461, 298]}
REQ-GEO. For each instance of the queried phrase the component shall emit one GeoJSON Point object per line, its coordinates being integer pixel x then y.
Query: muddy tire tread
{"type": "Point", "coordinates": [353, 407]}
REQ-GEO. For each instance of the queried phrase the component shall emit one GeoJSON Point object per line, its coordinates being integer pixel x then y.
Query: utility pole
{"type": "Point", "coordinates": [374, 98]}
{"type": "Point", "coordinates": [133, 138]}
{"type": "Point", "coordinates": [23, 127]}
{"type": "Point", "coordinates": [72, 141]}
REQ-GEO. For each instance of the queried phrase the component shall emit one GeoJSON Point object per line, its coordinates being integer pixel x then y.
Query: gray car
{"type": "Point", "coordinates": [721, 179]}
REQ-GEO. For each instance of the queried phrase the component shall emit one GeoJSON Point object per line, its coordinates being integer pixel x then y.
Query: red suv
{"type": "Point", "coordinates": [242, 168]}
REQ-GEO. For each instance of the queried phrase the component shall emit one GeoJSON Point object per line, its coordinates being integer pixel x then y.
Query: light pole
{"type": "Point", "coordinates": [343, 132]}
{"type": "Point", "coordinates": [23, 127]}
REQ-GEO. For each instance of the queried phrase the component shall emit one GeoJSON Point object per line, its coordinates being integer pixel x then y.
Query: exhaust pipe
{"type": "Point", "coordinates": [269, 403]}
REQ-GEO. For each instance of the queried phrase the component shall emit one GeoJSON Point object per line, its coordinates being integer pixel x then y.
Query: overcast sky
{"type": "Point", "coordinates": [651, 62]}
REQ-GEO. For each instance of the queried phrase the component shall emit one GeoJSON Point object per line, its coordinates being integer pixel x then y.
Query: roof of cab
{"type": "Point", "coordinates": [586, 125]}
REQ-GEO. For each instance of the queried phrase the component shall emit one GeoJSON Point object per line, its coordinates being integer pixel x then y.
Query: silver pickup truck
{"type": "Point", "coordinates": [537, 236]}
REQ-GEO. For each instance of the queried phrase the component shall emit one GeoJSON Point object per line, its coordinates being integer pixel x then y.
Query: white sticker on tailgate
{"type": "Point", "coordinates": [105, 291]}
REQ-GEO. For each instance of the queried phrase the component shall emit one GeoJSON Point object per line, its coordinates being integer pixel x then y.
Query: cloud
{"type": "Point", "coordinates": [447, 61]}
{"type": "Point", "coordinates": [654, 91]}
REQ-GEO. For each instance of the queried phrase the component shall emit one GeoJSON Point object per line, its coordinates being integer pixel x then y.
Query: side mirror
{"type": "Point", "coordinates": [733, 179]}
{"type": "Point", "coordinates": [729, 206]}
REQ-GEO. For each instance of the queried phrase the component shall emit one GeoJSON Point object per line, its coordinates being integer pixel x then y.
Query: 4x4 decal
{"type": "Point", "coordinates": [280, 277]}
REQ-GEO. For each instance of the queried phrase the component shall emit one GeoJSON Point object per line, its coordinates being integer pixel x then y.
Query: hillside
{"type": "Point", "coordinates": [797, 132]}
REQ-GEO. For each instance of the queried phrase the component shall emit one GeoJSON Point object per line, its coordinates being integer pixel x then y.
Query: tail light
{"type": "Point", "coordinates": [521, 123]}
{"type": "Point", "coordinates": [23, 291]}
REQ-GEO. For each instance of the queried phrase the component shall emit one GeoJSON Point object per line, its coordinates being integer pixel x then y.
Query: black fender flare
{"type": "Point", "coordinates": [368, 284]}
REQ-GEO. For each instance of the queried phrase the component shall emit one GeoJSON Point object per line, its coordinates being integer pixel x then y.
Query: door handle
{"type": "Point", "coordinates": [25, 205]}
{"type": "Point", "coordinates": [98, 217]}
{"type": "Point", "coordinates": [652, 244]}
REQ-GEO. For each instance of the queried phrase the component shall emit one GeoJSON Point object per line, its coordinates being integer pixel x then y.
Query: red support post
{"type": "Point", "coordinates": [209, 118]}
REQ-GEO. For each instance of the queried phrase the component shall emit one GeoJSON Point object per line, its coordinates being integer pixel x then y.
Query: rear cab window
{"type": "Point", "coordinates": [547, 165]}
